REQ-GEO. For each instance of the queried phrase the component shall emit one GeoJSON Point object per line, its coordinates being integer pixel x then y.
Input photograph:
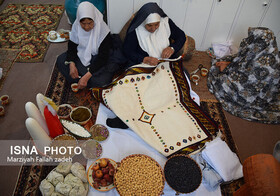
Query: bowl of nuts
{"type": "Point", "coordinates": [64, 110]}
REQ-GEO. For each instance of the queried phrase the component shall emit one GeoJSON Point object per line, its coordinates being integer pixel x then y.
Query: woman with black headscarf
{"type": "Point", "coordinates": [151, 36]}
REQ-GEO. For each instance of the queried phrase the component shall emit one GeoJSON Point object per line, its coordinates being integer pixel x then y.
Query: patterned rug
{"type": "Point", "coordinates": [59, 90]}
{"type": "Point", "coordinates": [7, 59]}
{"type": "Point", "coordinates": [26, 27]}
{"type": "Point", "coordinates": [200, 57]}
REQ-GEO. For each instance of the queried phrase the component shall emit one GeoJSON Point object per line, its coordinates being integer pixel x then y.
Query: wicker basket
{"type": "Point", "coordinates": [182, 173]}
{"type": "Point", "coordinates": [139, 174]}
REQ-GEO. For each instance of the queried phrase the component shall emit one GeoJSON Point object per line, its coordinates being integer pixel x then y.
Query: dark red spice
{"type": "Point", "coordinates": [4, 98]}
{"type": "Point", "coordinates": [64, 111]}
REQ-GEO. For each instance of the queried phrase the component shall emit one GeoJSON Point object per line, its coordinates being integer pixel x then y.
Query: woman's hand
{"type": "Point", "coordinates": [84, 80]}
{"type": "Point", "coordinates": [150, 61]}
{"type": "Point", "coordinates": [167, 53]}
{"type": "Point", "coordinates": [222, 65]}
{"type": "Point", "coordinates": [73, 70]}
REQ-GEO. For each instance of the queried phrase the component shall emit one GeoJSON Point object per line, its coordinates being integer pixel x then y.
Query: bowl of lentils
{"type": "Point", "coordinates": [64, 110]}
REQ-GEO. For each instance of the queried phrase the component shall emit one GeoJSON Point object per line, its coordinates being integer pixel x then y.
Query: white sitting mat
{"type": "Point", "coordinates": [124, 142]}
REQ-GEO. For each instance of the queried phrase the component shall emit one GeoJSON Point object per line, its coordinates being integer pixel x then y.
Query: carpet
{"type": "Point", "coordinates": [59, 90]}
{"type": "Point", "coordinates": [26, 27]}
{"type": "Point", "coordinates": [7, 59]}
{"type": "Point", "coordinates": [200, 57]}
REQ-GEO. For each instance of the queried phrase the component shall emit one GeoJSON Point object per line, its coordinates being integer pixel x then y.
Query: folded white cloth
{"type": "Point", "coordinates": [210, 178]}
{"type": "Point", "coordinates": [222, 159]}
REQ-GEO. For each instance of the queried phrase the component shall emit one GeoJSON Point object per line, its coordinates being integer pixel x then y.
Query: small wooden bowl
{"type": "Point", "coordinates": [83, 108]}
{"type": "Point", "coordinates": [5, 99]}
{"type": "Point", "coordinates": [64, 106]}
{"type": "Point", "coordinates": [2, 111]}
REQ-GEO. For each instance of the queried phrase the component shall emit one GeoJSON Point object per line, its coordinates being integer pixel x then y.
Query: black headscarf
{"type": "Point", "coordinates": [143, 13]}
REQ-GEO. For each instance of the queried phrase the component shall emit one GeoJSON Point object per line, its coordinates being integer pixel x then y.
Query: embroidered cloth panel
{"type": "Point", "coordinates": [155, 103]}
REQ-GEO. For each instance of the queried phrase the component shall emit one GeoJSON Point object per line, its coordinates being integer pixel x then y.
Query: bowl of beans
{"type": "Point", "coordinates": [182, 173]}
{"type": "Point", "coordinates": [64, 110]}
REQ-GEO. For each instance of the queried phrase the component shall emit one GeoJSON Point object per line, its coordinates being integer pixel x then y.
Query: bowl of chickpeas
{"type": "Point", "coordinates": [139, 174]}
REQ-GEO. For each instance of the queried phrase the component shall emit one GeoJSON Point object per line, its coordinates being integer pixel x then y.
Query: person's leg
{"type": "Point", "coordinates": [82, 70]}
{"type": "Point", "coordinates": [101, 78]}
{"type": "Point", "coordinates": [116, 123]}
{"type": "Point", "coordinates": [64, 69]}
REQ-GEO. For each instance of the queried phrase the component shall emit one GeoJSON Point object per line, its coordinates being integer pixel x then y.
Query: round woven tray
{"type": "Point", "coordinates": [139, 174]}
{"type": "Point", "coordinates": [182, 174]}
{"type": "Point", "coordinates": [65, 140]}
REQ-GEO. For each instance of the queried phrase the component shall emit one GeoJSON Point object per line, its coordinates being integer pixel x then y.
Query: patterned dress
{"type": "Point", "coordinates": [249, 86]}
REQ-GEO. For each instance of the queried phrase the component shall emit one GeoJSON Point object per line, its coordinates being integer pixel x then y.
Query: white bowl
{"type": "Point", "coordinates": [84, 121]}
{"type": "Point", "coordinates": [64, 116]}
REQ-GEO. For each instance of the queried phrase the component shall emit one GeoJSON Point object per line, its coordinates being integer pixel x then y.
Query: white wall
{"type": "Point", "coordinates": [207, 21]}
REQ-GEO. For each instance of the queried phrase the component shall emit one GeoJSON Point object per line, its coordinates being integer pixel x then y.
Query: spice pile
{"type": "Point", "coordinates": [80, 114]}
{"type": "Point", "coordinates": [99, 132]}
{"type": "Point", "coordinates": [64, 111]}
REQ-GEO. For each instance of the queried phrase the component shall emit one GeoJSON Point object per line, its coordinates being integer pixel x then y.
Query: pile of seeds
{"type": "Point", "coordinates": [182, 174]}
{"type": "Point", "coordinates": [139, 175]}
